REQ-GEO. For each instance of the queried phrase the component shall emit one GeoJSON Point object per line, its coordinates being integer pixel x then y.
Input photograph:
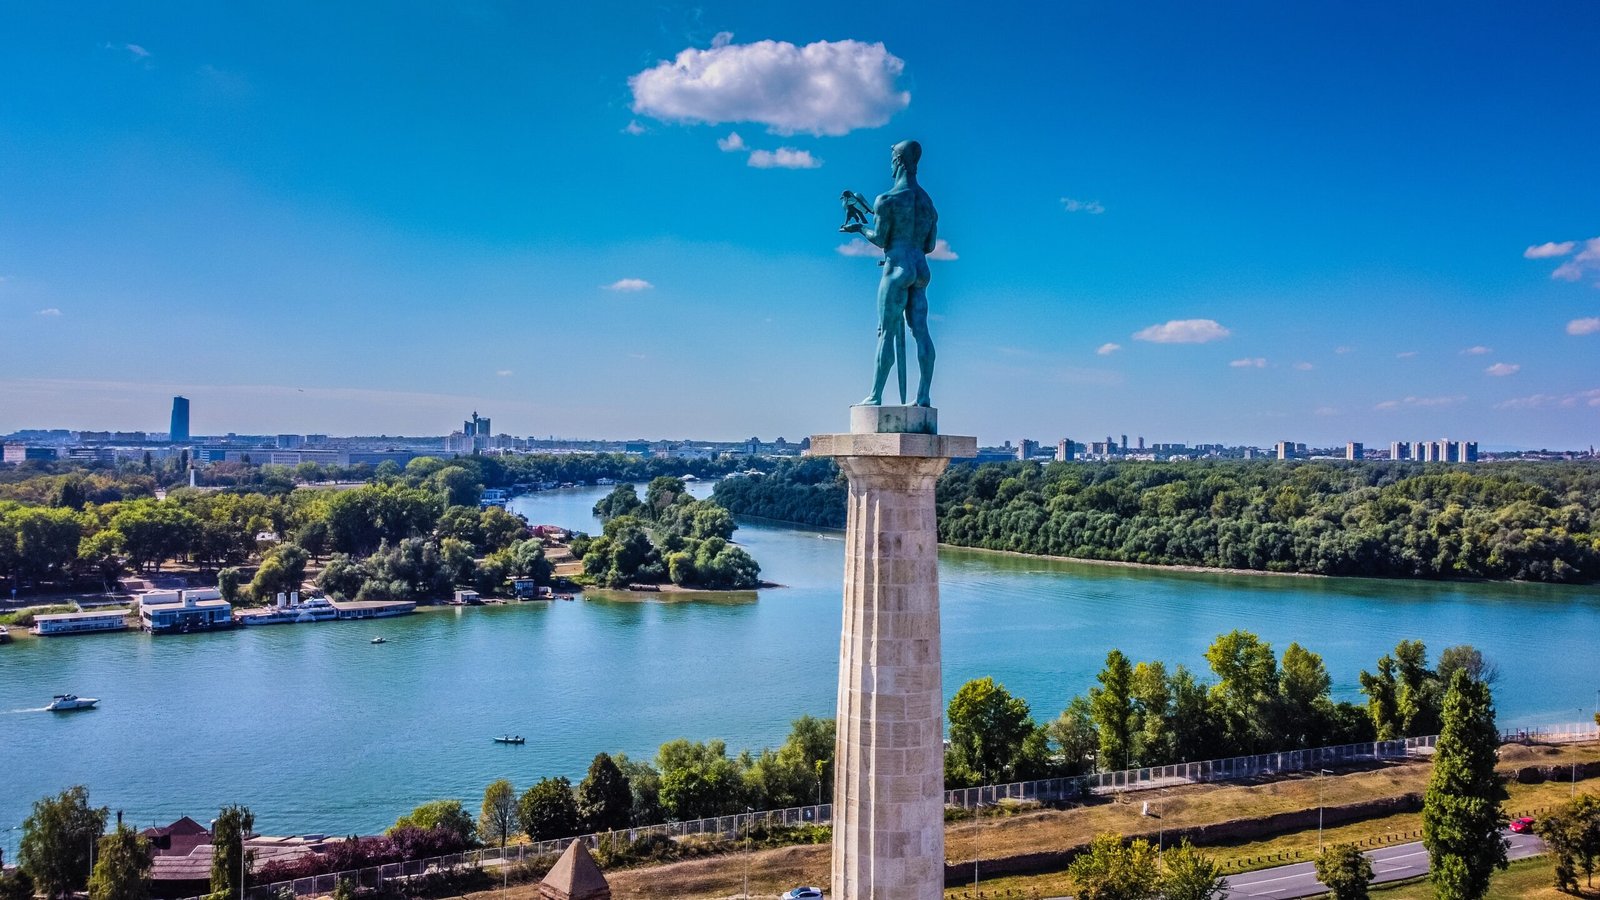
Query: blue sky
{"type": "Point", "coordinates": [1237, 222]}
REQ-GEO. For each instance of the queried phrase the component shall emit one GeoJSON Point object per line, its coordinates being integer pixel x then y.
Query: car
{"type": "Point", "coordinates": [1522, 824]}
{"type": "Point", "coordinates": [803, 893]}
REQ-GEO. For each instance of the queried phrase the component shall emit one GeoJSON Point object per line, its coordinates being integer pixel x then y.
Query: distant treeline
{"type": "Point", "coordinates": [1530, 521]}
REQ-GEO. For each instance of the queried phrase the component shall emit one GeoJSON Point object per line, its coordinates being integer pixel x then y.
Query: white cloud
{"type": "Point", "coordinates": [136, 51]}
{"type": "Point", "coordinates": [823, 88]}
{"type": "Point", "coordinates": [1549, 249]}
{"type": "Point", "coordinates": [1567, 271]}
{"type": "Point", "coordinates": [731, 144]}
{"type": "Point", "coordinates": [1418, 402]}
{"type": "Point", "coordinates": [1590, 325]}
{"type": "Point", "coordinates": [1590, 397]}
{"type": "Point", "coordinates": [783, 158]}
{"type": "Point", "coordinates": [1183, 331]}
{"type": "Point", "coordinates": [860, 247]}
{"type": "Point", "coordinates": [1501, 370]}
{"type": "Point", "coordinates": [1254, 362]}
{"type": "Point", "coordinates": [1344, 349]}
{"type": "Point", "coordinates": [52, 312]}
{"type": "Point", "coordinates": [1092, 207]}
{"type": "Point", "coordinates": [1405, 354]}
{"type": "Point", "coordinates": [1479, 350]}
{"type": "Point", "coordinates": [634, 128]}
{"type": "Point", "coordinates": [1326, 411]}
{"type": "Point", "coordinates": [1108, 349]}
{"type": "Point", "coordinates": [503, 373]}
{"type": "Point", "coordinates": [629, 285]}
{"type": "Point", "coordinates": [1304, 366]}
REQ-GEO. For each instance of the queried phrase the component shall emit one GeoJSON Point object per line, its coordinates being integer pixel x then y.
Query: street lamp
{"type": "Point", "coordinates": [748, 811]}
{"type": "Point", "coordinates": [1321, 777]}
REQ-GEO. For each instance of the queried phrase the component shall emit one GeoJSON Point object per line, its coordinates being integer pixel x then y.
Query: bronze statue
{"type": "Point", "coordinates": [905, 227]}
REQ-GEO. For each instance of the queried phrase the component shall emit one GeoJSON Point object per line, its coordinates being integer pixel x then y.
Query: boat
{"type": "Point", "coordinates": [70, 702]}
{"type": "Point", "coordinates": [510, 739]}
{"type": "Point", "coordinates": [380, 639]}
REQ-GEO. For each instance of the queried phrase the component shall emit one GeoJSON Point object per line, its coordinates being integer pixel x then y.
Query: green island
{"type": "Point", "coordinates": [1506, 521]}
{"type": "Point", "coordinates": [411, 533]}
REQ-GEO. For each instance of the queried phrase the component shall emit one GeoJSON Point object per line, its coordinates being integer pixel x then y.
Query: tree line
{"type": "Point", "coordinates": [1528, 521]}
{"type": "Point", "coordinates": [667, 536]}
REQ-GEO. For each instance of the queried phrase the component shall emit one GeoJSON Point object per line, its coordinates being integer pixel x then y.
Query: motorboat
{"type": "Point", "coordinates": [316, 609]}
{"type": "Point", "coordinates": [70, 702]}
{"type": "Point", "coordinates": [380, 639]}
{"type": "Point", "coordinates": [510, 739]}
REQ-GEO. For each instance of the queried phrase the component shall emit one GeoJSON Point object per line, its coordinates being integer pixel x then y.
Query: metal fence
{"type": "Point", "coordinates": [1235, 768]}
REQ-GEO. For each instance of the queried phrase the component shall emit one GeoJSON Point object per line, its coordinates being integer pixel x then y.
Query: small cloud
{"type": "Point", "coordinates": [1479, 350]}
{"type": "Point", "coordinates": [1590, 325]}
{"type": "Point", "coordinates": [1092, 207]}
{"type": "Point", "coordinates": [136, 51]}
{"type": "Point", "coordinates": [1342, 350]}
{"type": "Point", "coordinates": [1183, 331]}
{"type": "Point", "coordinates": [1405, 354]}
{"type": "Point", "coordinates": [629, 285]}
{"type": "Point", "coordinates": [503, 373]}
{"type": "Point", "coordinates": [1304, 366]}
{"type": "Point", "coordinates": [782, 158]}
{"type": "Point", "coordinates": [1411, 402]}
{"type": "Point", "coordinates": [1501, 370]}
{"type": "Point", "coordinates": [51, 312]}
{"type": "Point", "coordinates": [1108, 348]}
{"type": "Point", "coordinates": [1549, 249]}
{"type": "Point", "coordinates": [731, 144]}
{"type": "Point", "coordinates": [1254, 362]}
{"type": "Point", "coordinates": [1567, 271]}
{"type": "Point", "coordinates": [637, 356]}
{"type": "Point", "coordinates": [634, 128]}
{"type": "Point", "coordinates": [1326, 411]}
{"type": "Point", "coordinates": [942, 251]}
{"type": "Point", "coordinates": [1590, 398]}
{"type": "Point", "coordinates": [858, 247]}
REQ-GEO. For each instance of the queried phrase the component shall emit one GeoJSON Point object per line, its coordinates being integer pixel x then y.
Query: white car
{"type": "Point", "coordinates": [803, 893]}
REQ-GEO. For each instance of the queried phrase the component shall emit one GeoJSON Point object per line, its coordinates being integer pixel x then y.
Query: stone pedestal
{"type": "Point", "coordinates": [888, 795]}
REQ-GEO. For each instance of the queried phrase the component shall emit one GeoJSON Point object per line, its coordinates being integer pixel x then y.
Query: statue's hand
{"type": "Point", "coordinates": [851, 227]}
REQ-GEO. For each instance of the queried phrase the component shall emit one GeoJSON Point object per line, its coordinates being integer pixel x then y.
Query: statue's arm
{"type": "Point", "coordinates": [933, 235]}
{"type": "Point", "coordinates": [879, 236]}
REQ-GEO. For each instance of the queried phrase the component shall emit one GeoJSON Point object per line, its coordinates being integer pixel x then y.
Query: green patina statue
{"type": "Point", "coordinates": [905, 228]}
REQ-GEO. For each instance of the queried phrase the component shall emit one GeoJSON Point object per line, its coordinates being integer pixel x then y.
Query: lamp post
{"type": "Point", "coordinates": [1321, 777]}
{"type": "Point", "coordinates": [748, 811]}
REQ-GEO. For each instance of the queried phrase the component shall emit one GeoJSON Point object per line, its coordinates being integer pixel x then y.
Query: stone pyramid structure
{"type": "Point", "coordinates": [575, 876]}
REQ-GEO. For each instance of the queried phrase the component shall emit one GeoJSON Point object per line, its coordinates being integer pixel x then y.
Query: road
{"type": "Point", "coordinates": [1388, 864]}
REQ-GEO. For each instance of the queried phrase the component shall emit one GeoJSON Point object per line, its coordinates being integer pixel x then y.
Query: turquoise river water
{"type": "Point", "coordinates": [318, 730]}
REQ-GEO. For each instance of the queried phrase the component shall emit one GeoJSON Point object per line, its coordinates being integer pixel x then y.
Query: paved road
{"type": "Point", "coordinates": [1388, 864]}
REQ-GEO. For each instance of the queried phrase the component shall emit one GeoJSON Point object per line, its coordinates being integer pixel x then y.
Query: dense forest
{"type": "Point", "coordinates": [1528, 521]}
{"type": "Point", "coordinates": [667, 536]}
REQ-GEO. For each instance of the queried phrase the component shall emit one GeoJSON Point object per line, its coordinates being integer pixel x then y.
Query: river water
{"type": "Point", "coordinates": [318, 730]}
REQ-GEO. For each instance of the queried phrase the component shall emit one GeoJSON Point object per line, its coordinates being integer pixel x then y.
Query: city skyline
{"type": "Point", "coordinates": [1223, 221]}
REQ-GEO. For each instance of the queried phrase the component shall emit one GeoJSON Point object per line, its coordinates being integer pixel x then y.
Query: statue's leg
{"type": "Point", "coordinates": [917, 316]}
{"type": "Point", "coordinates": [891, 304]}
{"type": "Point", "coordinates": [900, 358]}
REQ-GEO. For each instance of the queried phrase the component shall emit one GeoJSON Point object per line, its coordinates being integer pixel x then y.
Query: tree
{"type": "Point", "coordinates": [548, 811]}
{"type": "Point", "coordinates": [282, 571]}
{"type": "Point", "coordinates": [16, 886]}
{"type": "Point", "coordinates": [449, 815]}
{"type": "Point", "coordinates": [1112, 870]}
{"type": "Point", "coordinates": [987, 729]}
{"type": "Point", "coordinates": [605, 799]}
{"type": "Point", "coordinates": [1469, 659]}
{"type": "Point", "coordinates": [1112, 707]}
{"type": "Point", "coordinates": [229, 581]}
{"type": "Point", "coordinates": [1188, 874]}
{"type": "Point", "coordinates": [1246, 692]}
{"type": "Point", "coordinates": [1345, 870]}
{"type": "Point", "coordinates": [698, 779]}
{"type": "Point", "coordinates": [122, 866]}
{"type": "Point", "coordinates": [1074, 734]}
{"type": "Point", "coordinates": [645, 783]}
{"type": "Point", "coordinates": [1572, 832]}
{"type": "Point", "coordinates": [56, 840]}
{"type": "Point", "coordinates": [1303, 701]}
{"type": "Point", "coordinates": [1382, 706]}
{"type": "Point", "coordinates": [498, 819]}
{"type": "Point", "coordinates": [1461, 818]}
{"type": "Point", "coordinates": [230, 860]}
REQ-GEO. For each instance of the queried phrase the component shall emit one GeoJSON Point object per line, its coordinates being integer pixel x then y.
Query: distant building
{"type": "Point", "coordinates": [637, 448]}
{"type": "Point", "coordinates": [179, 432]}
{"type": "Point", "coordinates": [1141, 442]}
{"type": "Point", "coordinates": [1354, 450]}
{"type": "Point", "coordinates": [1422, 451]}
{"type": "Point", "coordinates": [1065, 450]}
{"type": "Point", "coordinates": [1399, 450]}
{"type": "Point", "coordinates": [180, 612]}
{"type": "Point", "coordinates": [1284, 449]}
{"type": "Point", "coordinates": [291, 441]}
{"type": "Point", "coordinates": [16, 453]}
{"type": "Point", "coordinates": [1027, 449]}
{"type": "Point", "coordinates": [1124, 443]}
{"type": "Point", "coordinates": [1469, 451]}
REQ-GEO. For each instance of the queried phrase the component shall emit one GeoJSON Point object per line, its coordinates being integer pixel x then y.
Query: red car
{"type": "Point", "coordinates": [1522, 824]}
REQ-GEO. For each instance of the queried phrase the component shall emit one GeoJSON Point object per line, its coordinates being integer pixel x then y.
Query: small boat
{"type": "Point", "coordinates": [70, 702]}
{"type": "Point", "coordinates": [380, 639]}
{"type": "Point", "coordinates": [510, 739]}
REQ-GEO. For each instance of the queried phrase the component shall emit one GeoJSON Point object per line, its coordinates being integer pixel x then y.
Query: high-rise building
{"type": "Point", "coordinates": [179, 432]}
{"type": "Point", "coordinates": [1354, 450]}
{"type": "Point", "coordinates": [1124, 443]}
{"type": "Point", "coordinates": [1284, 449]}
{"type": "Point", "coordinates": [1065, 450]}
{"type": "Point", "coordinates": [291, 441]}
{"type": "Point", "coordinates": [1469, 451]}
{"type": "Point", "coordinates": [1422, 451]}
{"type": "Point", "coordinates": [1141, 442]}
{"type": "Point", "coordinates": [475, 431]}
{"type": "Point", "coordinates": [1026, 449]}
{"type": "Point", "coordinates": [1399, 450]}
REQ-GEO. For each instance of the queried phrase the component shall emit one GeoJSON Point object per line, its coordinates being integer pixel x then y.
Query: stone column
{"type": "Point", "coordinates": [888, 795]}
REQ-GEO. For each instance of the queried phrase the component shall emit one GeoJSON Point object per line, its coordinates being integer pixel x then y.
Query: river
{"type": "Point", "coordinates": [318, 730]}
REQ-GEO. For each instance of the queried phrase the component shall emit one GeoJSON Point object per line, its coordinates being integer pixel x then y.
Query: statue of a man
{"type": "Point", "coordinates": [905, 227]}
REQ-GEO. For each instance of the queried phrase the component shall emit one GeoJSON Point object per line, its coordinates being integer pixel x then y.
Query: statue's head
{"type": "Point", "coordinates": [905, 156]}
